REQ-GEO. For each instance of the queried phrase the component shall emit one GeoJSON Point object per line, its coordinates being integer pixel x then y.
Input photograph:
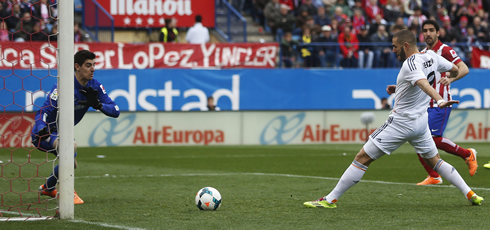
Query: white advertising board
{"type": "Point", "coordinates": [255, 128]}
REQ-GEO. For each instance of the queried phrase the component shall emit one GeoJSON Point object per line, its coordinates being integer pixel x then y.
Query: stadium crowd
{"type": "Point", "coordinates": [357, 32]}
{"type": "Point", "coordinates": [31, 20]}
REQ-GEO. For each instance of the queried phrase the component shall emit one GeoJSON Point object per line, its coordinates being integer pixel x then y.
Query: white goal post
{"type": "Point", "coordinates": [66, 108]}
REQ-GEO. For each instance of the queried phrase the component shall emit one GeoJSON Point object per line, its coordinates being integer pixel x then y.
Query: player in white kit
{"type": "Point", "coordinates": [407, 121]}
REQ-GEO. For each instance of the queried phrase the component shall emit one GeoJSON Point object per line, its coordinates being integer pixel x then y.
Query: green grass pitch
{"type": "Point", "coordinates": [263, 187]}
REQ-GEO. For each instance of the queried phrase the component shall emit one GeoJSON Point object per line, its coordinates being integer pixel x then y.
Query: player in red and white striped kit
{"type": "Point", "coordinates": [438, 117]}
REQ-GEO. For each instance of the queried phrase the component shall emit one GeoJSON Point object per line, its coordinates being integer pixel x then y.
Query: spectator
{"type": "Point", "coordinates": [392, 11]}
{"type": "Point", "coordinates": [258, 11]}
{"type": "Point", "coordinates": [169, 32]}
{"type": "Point", "coordinates": [446, 23]}
{"type": "Point", "coordinates": [272, 11]}
{"type": "Point", "coordinates": [335, 28]}
{"type": "Point", "coordinates": [4, 33]}
{"type": "Point", "coordinates": [211, 105]}
{"type": "Point", "coordinates": [463, 12]}
{"type": "Point", "coordinates": [301, 19]}
{"type": "Point", "coordinates": [359, 5]}
{"type": "Point", "coordinates": [349, 46]}
{"type": "Point", "coordinates": [417, 16]}
{"type": "Point", "coordinates": [365, 53]}
{"type": "Point", "coordinates": [344, 8]}
{"type": "Point", "coordinates": [78, 36]}
{"type": "Point", "coordinates": [197, 34]}
{"type": "Point", "coordinates": [322, 18]}
{"type": "Point", "coordinates": [373, 27]}
{"type": "Point", "coordinates": [53, 36]}
{"type": "Point", "coordinates": [452, 9]}
{"type": "Point", "coordinates": [480, 31]}
{"type": "Point", "coordinates": [339, 15]}
{"type": "Point", "coordinates": [443, 35]}
{"type": "Point", "coordinates": [288, 49]}
{"type": "Point", "coordinates": [437, 8]}
{"type": "Point", "coordinates": [13, 20]}
{"type": "Point", "coordinates": [43, 11]}
{"type": "Point", "coordinates": [372, 9]}
{"type": "Point", "coordinates": [309, 7]}
{"type": "Point", "coordinates": [27, 7]}
{"type": "Point", "coordinates": [415, 29]}
{"type": "Point", "coordinates": [315, 29]}
{"type": "Point", "coordinates": [460, 31]}
{"type": "Point", "coordinates": [326, 55]}
{"type": "Point", "coordinates": [410, 5]}
{"type": "Point", "coordinates": [306, 50]}
{"type": "Point", "coordinates": [384, 104]}
{"type": "Point", "coordinates": [393, 30]}
{"type": "Point", "coordinates": [289, 3]}
{"type": "Point", "coordinates": [24, 27]}
{"type": "Point", "coordinates": [358, 20]}
{"type": "Point", "coordinates": [382, 53]}
{"type": "Point", "coordinates": [39, 34]}
{"type": "Point", "coordinates": [285, 21]}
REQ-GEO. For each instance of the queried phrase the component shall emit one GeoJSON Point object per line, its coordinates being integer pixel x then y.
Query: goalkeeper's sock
{"type": "Point", "coordinates": [351, 176]}
{"type": "Point", "coordinates": [52, 180]}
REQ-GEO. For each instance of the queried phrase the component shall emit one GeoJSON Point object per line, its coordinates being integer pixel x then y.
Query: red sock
{"type": "Point", "coordinates": [451, 147]}
{"type": "Point", "coordinates": [427, 168]}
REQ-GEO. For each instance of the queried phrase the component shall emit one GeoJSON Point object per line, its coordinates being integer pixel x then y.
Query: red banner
{"type": "Point", "coordinates": [480, 58]}
{"type": "Point", "coordinates": [38, 55]}
{"type": "Point", "coordinates": [149, 13]}
{"type": "Point", "coordinates": [15, 130]}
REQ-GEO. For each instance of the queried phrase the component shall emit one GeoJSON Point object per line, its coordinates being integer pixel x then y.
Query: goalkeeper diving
{"type": "Point", "coordinates": [88, 93]}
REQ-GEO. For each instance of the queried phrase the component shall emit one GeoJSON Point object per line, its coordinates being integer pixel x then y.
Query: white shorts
{"type": "Point", "coordinates": [396, 131]}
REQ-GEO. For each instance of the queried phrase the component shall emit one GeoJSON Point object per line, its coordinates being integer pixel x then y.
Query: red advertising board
{"type": "Point", "coordinates": [39, 55]}
{"type": "Point", "coordinates": [149, 13]}
{"type": "Point", "coordinates": [15, 130]}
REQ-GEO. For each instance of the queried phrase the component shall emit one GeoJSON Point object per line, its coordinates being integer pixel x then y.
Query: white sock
{"type": "Point", "coordinates": [451, 174]}
{"type": "Point", "coordinates": [351, 176]}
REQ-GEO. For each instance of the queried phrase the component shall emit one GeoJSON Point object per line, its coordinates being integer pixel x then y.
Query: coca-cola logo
{"type": "Point", "coordinates": [15, 130]}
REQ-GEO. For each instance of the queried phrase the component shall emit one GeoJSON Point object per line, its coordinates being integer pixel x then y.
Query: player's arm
{"type": "Point", "coordinates": [109, 107]}
{"type": "Point", "coordinates": [463, 71]}
{"type": "Point", "coordinates": [429, 90]}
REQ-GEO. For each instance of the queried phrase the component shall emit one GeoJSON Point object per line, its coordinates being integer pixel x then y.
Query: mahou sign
{"type": "Point", "coordinates": [150, 13]}
{"type": "Point", "coordinates": [40, 55]}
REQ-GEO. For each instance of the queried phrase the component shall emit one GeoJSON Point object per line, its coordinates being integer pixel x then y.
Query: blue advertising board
{"type": "Point", "coordinates": [236, 89]}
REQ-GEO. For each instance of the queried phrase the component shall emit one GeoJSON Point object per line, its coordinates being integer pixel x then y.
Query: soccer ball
{"type": "Point", "coordinates": [208, 198]}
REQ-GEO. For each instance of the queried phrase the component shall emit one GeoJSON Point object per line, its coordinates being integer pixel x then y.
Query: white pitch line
{"type": "Point", "coordinates": [263, 174]}
{"type": "Point", "coordinates": [106, 225]}
{"type": "Point", "coordinates": [30, 217]}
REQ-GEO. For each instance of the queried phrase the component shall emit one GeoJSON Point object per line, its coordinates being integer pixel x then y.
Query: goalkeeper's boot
{"type": "Point", "coordinates": [320, 203]}
{"type": "Point", "coordinates": [431, 180]}
{"type": "Point", "coordinates": [77, 199]}
{"type": "Point", "coordinates": [487, 165]}
{"type": "Point", "coordinates": [471, 161]}
{"type": "Point", "coordinates": [46, 192]}
{"type": "Point", "coordinates": [476, 200]}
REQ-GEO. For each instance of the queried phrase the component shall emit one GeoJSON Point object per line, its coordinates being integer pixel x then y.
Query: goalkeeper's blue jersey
{"type": "Point", "coordinates": [48, 113]}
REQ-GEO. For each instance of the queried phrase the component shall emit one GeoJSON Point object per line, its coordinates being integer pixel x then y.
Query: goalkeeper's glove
{"type": "Point", "coordinates": [43, 134]}
{"type": "Point", "coordinates": [92, 98]}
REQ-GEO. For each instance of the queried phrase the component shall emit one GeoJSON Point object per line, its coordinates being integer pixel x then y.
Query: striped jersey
{"type": "Point", "coordinates": [410, 100]}
{"type": "Point", "coordinates": [449, 54]}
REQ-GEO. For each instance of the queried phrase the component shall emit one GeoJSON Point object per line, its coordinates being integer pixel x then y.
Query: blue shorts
{"type": "Point", "coordinates": [438, 119]}
{"type": "Point", "coordinates": [47, 145]}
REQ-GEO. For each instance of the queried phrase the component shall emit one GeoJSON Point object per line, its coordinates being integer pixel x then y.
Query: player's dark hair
{"type": "Point", "coordinates": [431, 22]}
{"type": "Point", "coordinates": [405, 36]}
{"type": "Point", "coordinates": [83, 55]}
{"type": "Point", "coordinates": [198, 18]}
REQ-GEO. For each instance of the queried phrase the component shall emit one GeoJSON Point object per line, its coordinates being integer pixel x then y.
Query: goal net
{"type": "Point", "coordinates": [29, 58]}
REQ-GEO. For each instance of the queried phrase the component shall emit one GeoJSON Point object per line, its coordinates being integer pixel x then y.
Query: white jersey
{"type": "Point", "coordinates": [410, 100]}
